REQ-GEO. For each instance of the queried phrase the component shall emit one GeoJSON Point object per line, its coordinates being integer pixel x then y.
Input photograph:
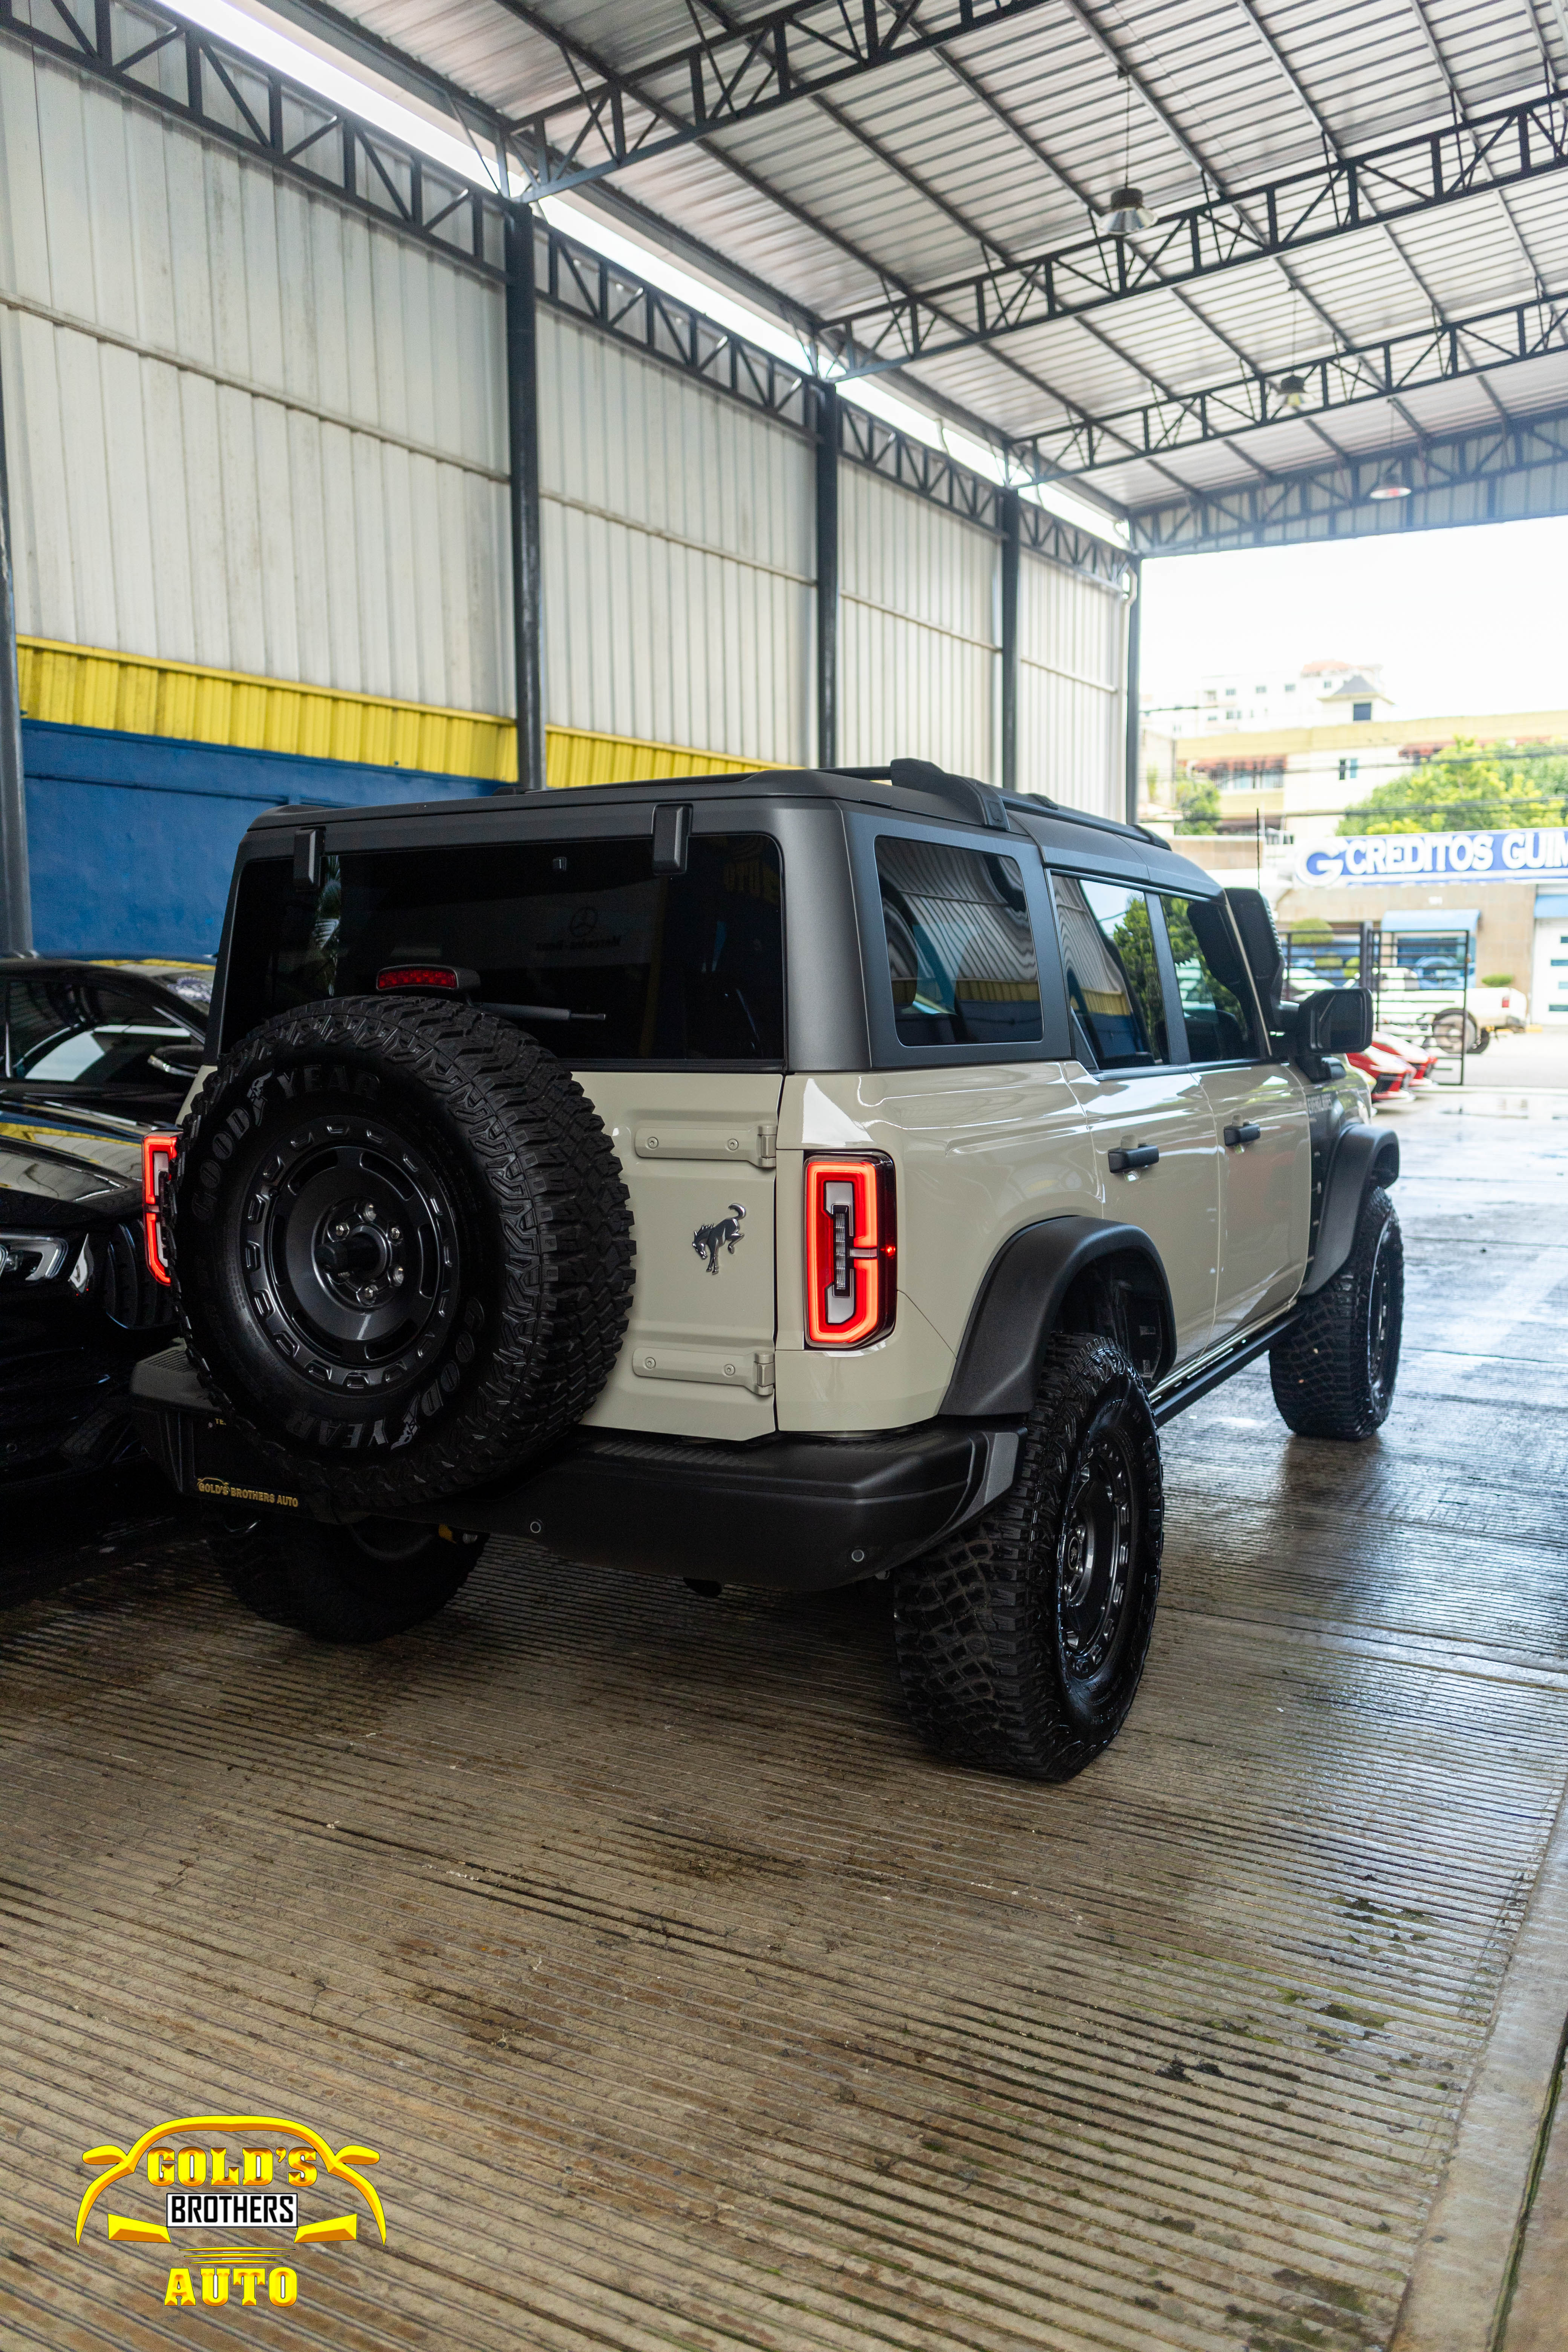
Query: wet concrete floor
{"type": "Point", "coordinates": [687, 2003]}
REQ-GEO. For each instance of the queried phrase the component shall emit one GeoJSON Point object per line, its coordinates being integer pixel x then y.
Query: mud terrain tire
{"type": "Point", "coordinates": [403, 1249]}
{"type": "Point", "coordinates": [1021, 1639]}
{"type": "Point", "coordinates": [1334, 1370]}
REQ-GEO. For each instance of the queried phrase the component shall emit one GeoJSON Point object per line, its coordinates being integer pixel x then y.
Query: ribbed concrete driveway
{"type": "Point", "coordinates": [690, 2005]}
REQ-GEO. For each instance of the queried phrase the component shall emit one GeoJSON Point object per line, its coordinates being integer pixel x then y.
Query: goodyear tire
{"type": "Point", "coordinates": [1021, 1639]}
{"type": "Point", "coordinates": [1333, 1372]}
{"type": "Point", "coordinates": [356, 1584]}
{"type": "Point", "coordinates": [403, 1249]}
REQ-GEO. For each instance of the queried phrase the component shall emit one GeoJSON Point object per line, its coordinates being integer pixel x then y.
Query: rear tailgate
{"type": "Point", "coordinates": [698, 1151]}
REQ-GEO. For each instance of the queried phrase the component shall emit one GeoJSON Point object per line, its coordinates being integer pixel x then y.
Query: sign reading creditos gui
{"type": "Point", "coordinates": [1518, 856]}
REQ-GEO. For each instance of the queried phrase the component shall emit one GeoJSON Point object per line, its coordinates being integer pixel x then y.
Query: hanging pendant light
{"type": "Point", "coordinates": [1292, 391]}
{"type": "Point", "coordinates": [1127, 213]}
{"type": "Point", "coordinates": [1391, 487]}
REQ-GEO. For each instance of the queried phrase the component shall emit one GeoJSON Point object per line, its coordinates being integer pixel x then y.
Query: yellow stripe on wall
{"type": "Point", "coordinates": [81, 686]}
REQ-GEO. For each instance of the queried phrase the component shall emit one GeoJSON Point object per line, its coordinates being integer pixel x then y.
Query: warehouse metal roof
{"type": "Point", "coordinates": [1369, 198]}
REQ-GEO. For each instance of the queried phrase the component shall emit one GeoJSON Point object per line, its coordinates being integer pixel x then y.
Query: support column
{"type": "Point", "coordinates": [1012, 562]}
{"type": "Point", "coordinates": [16, 890]}
{"type": "Point", "coordinates": [522, 437]}
{"type": "Point", "coordinates": [1134, 710]}
{"type": "Point", "coordinates": [826, 576]}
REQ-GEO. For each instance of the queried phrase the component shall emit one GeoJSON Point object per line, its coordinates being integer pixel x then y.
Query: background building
{"type": "Point", "coordinates": [1299, 780]}
{"type": "Point", "coordinates": [1318, 693]}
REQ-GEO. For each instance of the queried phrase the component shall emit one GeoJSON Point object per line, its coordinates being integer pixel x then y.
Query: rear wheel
{"type": "Point", "coordinates": [355, 1583]}
{"type": "Point", "coordinates": [1021, 1641]}
{"type": "Point", "coordinates": [1456, 1030]}
{"type": "Point", "coordinates": [1333, 1372]}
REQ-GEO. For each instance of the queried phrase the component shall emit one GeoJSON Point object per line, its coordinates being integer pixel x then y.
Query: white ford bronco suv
{"type": "Point", "coordinates": [777, 1180]}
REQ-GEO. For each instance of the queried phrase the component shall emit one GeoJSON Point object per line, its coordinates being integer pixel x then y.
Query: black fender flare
{"type": "Point", "coordinates": [1364, 1156]}
{"type": "Point", "coordinates": [1020, 1303]}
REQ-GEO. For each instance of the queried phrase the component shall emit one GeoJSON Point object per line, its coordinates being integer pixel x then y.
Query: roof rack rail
{"type": "Point", "coordinates": [1081, 817]}
{"type": "Point", "coordinates": [964, 792]}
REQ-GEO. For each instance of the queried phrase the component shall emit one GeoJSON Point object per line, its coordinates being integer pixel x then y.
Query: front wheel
{"type": "Point", "coordinates": [357, 1583]}
{"type": "Point", "coordinates": [1333, 1371]}
{"type": "Point", "coordinates": [1021, 1639]}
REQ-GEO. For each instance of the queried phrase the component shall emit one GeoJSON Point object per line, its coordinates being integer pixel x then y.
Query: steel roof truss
{"type": "Point", "coordinates": [238, 98]}
{"type": "Point", "coordinates": [1473, 475]}
{"type": "Point", "coordinates": [727, 77]}
{"type": "Point", "coordinates": [1341, 196]}
{"type": "Point", "coordinates": [1439, 354]}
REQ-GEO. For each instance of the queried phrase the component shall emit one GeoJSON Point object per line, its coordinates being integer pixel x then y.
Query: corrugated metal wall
{"type": "Point", "coordinates": [679, 563]}
{"type": "Point", "coordinates": [919, 665]}
{"type": "Point", "coordinates": [254, 431]}
{"type": "Point", "coordinates": [247, 427]}
{"type": "Point", "coordinates": [1072, 649]}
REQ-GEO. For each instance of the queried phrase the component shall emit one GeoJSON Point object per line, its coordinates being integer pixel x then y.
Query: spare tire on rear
{"type": "Point", "coordinates": [403, 1248]}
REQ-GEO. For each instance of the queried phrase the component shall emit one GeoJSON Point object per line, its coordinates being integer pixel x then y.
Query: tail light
{"type": "Point", "coordinates": [851, 1244]}
{"type": "Point", "coordinates": [157, 1175]}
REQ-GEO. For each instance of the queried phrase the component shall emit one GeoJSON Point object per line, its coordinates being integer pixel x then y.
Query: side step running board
{"type": "Point", "coordinates": [1173, 1394]}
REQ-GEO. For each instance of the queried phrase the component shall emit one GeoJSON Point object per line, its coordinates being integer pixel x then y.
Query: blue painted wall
{"type": "Point", "coordinates": [132, 837]}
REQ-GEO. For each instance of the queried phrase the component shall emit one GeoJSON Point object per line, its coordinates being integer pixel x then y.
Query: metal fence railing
{"type": "Point", "coordinates": [1420, 980]}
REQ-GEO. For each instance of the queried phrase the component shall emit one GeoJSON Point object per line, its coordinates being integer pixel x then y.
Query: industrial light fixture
{"type": "Point", "coordinates": [1127, 213]}
{"type": "Point", "coordinates": [1292, 391]}
{"type": "Point", "coordinates": [1391, 487]}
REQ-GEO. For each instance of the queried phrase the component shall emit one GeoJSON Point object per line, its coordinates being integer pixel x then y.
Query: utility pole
{"type": "Point", "coordinates": [16, 890]}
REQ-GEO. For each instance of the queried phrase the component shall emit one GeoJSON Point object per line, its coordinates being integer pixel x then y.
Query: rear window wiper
{"type": "Point", "coordinates": [536, 1011]}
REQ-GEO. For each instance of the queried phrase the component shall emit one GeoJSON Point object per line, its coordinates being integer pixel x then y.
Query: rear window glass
{"type": "Point", "coordinates": [580, 941]}
{"type": "Point", "coordinates": [1113, 975]}
{"type": "Point", "coordinates": [961, 955]}
{"type": "Point", "coordinates": [1211, 979]}
{"type": "Point", "coordinates": [67, 1028]}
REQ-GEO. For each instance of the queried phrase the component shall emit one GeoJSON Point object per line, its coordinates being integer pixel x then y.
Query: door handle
{"type": "Point", "coordinates": [1143, 1155]}
{"type": "Point", "coordinates": [1246, 1133]}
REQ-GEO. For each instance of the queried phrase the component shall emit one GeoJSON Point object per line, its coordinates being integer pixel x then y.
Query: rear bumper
{"type": "Point", "coordinates": [802, 1514]}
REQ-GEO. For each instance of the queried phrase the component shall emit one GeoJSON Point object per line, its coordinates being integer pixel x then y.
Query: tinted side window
{"type": "Point", "coordinates": [1211, 979]}
{"type": "Point", "coordinates": [580, 941]}
{"type": "Point", "coordinates": [960, 953]}
{"type": "Point", "coordinates": [1112, 974]}
{"type": "Point", "coordinates": [66, 1031]}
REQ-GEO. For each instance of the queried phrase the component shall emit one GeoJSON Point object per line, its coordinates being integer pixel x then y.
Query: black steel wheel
{"type": "Point", "coordinates": [1021, 1639]}
{"type": "Point", "coordinates": [356, 1584]}
{"type": "Point", "coordinates": [353, 1251]}
{"type": "Point", "coordinates": [1333, 1372]}
{"type": "Point", "coordinates": [403, 1249]}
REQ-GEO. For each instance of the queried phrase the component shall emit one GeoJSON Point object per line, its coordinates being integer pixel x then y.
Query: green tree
{"type": "Point", "coordinates": [1466, 791]}
{"type": "Point", "coordinates": [1134, 939]}
{"type": "Point", "coordinates": [1197, 797]}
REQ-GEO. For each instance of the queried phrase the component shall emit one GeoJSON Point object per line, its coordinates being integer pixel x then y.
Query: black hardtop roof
{"type": "Point", "coordinates": [907, 788]}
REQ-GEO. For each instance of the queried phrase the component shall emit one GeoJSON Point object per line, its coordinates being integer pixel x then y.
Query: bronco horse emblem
{"type": "Point", "coordinates": [723, 1233]}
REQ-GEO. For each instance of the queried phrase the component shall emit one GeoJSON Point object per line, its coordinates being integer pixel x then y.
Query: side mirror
{"type": "Point", "coordinates": [1334, 1021]}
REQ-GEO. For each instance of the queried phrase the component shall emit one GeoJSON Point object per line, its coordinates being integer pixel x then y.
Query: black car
{"type": "Point", "coordinates": [120, 1036]}
{"type": "Point", "coordinates": [97, 1057]}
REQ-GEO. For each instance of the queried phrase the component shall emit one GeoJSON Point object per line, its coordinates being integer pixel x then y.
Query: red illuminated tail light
{"type": "Point", "coordinates": [851, 1246]}
{"type": "Point", "coordinates": [158, 1153]}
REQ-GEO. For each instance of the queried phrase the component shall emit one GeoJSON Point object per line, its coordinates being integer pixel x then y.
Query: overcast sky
{"type": "Point", "coordinates": [1472, 619]}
